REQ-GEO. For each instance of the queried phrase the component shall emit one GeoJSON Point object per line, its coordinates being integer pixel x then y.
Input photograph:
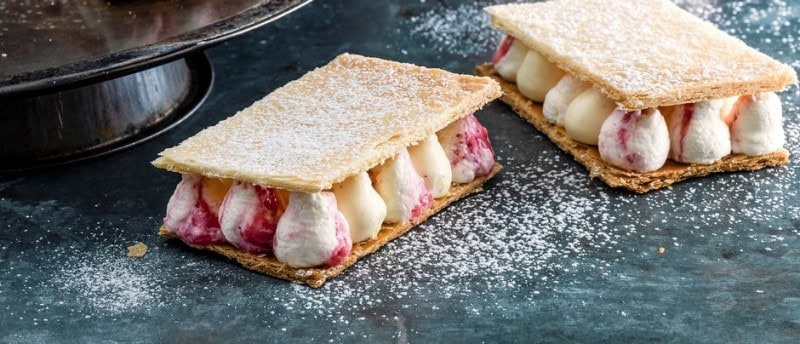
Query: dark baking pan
{"type": "Point", "coordinates": [80, 122]}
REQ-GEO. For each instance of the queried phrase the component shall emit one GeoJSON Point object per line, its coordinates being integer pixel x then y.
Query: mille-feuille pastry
{"type": "Point", "coordinates": [330, 167]}
{"type": "Point", "coordinates": [639, 91]}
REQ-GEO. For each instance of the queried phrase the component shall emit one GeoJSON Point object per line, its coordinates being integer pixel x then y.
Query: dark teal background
{"type": "Point", "coordinates": [544, 254]}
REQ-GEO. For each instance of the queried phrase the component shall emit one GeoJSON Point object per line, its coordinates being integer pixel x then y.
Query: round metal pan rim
{"type": "Point", "coordinates": [130, 60]}
{"type": "Point", "coordinates": [198, 64]}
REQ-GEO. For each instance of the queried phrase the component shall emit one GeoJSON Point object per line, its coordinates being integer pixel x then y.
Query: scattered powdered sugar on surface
{"type": "Point", "coordinates": [110, 283]}
{"type": "Point", "coordinates": [538, 225]}
{"type": "Point", "coordinates": [521, 232]}
{"type": "Point", "coordinates": [543, 223]}
{"type": "Point", "coordinates": [770, 29]}
{"type": "Point", "coordinates": [358, 107]}
{"type": "Point", "coordinates": [644, 62]}
{"type": "Point", "coordinates": [540, 230]}
{"type": "Point", "coordinates": [88, 272]}
{"type": "Point", "coordinates": [462, 29]}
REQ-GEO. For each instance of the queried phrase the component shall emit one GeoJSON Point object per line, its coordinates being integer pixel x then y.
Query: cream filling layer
{"type": "Point", "coordinates": [313, 229]}
{"type": "Point", "coordinates": [750, 125]}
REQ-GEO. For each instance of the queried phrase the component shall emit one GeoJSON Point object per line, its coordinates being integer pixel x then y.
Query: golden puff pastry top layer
{"type": "Point", "coordinates": [332, 123]}
{"type": "Point", "coordinates": [642, 53]}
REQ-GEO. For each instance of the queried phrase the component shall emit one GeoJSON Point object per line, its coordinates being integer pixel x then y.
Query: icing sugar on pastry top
{"type": "Point", "coordinates": [641, 52]}
{"type": "Point", "coordinates": [353, 153]}
{"type": "Point", "coordinates": [699, 133]}
{"type": "Point", "coordinates": [609, 84]}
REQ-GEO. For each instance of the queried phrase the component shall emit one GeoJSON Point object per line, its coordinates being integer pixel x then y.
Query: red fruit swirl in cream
{"type": "Point", "coordinates": [503, 49]}
{"type": "Point", "coordinates": [193, 209]}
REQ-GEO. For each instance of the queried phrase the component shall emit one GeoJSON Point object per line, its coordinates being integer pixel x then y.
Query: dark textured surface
{"type": "Point", "coordinates": [543, 254]}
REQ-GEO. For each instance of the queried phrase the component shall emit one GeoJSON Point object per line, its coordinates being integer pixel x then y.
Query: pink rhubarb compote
{"type": "Point", "coordinates": [312, 231]}
{"type": "Point", "coordinates": [466, 143]}
{"type": "Point", "coordinates": [193, 209]}
{"type": "Point", "coordinates": [698, 133]}
{"type": "Point", "coordinates": [249, 216]}
{"type": "Point", "coordinates": [402, 189]}
{"type": "Point", "coordinates": [509, 57]}
{"type": "Point", "coordinates": [635, 140]}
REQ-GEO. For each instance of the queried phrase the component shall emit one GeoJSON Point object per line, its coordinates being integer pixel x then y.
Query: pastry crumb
{"type": "Point", "coordinates": [303, 273]}
{"type": "Point", "coordinates": [138, 250]}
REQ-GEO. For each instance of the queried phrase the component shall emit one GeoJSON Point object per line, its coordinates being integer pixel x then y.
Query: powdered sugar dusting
{"type": "Point", "coordinates": [462, 30]}
{"type": "Point", "coordinates": [541, 237]}
{"type": "Point", "coordinates": [501, 239]}
{"type": "Point", "coordinates": [336, 121]}
{"type": "Point", "coordinates": [648, 66]}
{"type": "Point", "coordinates": [770, 29]}
{"type": "Point", "coordinates": [110, 284]}
{"type": "Point", "coordinates": [543, 222]}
